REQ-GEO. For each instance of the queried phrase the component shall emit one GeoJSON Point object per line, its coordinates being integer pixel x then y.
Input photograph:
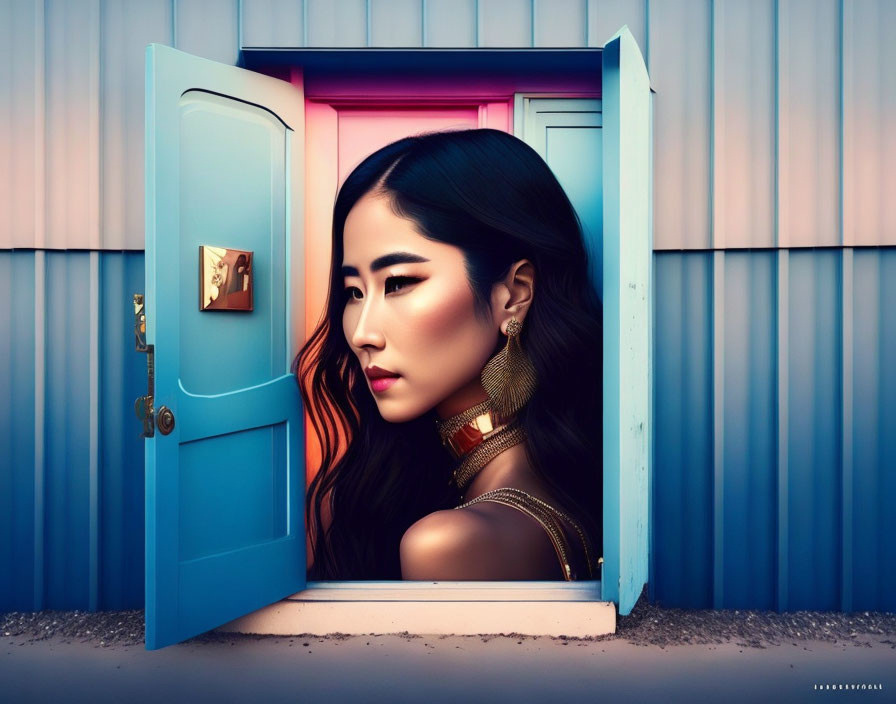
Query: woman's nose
{"type": "Point", "coordinates": [368, 331]}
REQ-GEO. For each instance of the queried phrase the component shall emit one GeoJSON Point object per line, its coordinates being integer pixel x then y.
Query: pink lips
{"type": "Point", "coordinates": [380, 379]}
{"type": "Point", "coordinates": [382, 383]}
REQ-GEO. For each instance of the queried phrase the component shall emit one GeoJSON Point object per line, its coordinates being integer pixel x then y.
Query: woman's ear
{"type": "Point", "coordinates": [512, 297]}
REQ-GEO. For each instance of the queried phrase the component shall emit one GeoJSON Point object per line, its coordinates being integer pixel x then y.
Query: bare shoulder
{"type": "Point", "coordinates": [433, 546]}
{"type": "Point", "coordinates": [483, 542]}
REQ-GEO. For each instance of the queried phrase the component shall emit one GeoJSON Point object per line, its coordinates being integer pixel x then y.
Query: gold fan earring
{"type": "Point", "coordinates": [509, 377]}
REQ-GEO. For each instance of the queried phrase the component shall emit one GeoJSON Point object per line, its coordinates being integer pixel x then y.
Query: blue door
{"type": "Point", "coordinates": [224, 469]}
{"type": "Point", "coordinates": [627, 246]}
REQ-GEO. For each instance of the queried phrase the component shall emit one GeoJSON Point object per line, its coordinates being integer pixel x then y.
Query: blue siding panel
{"type": "Point", "coordinates": [277, 23]}
{"type": "Point", "coordinates": [396, 23]}
{"type": "Point", "coordinates": [886, 437]}
{"type": "Point", "coordinates": [45, 548]}
{"type": "Point", "coordinates": [449, 23]}
{"type": "Point", "coordinates": [866, 419]}
{"type": "Point", "coordinates": [683, 454]}
{"type": "Point", "coordinates": [505, 23]}
{"type": "Point", "coordinates": [17, 432]}
{"type": "Point", "coordinates": [208, 28]}
{"type": "Point", "coordinates": [811, 466]}
{"type": "Point", "coordinates": [561, 23]}
{"type": "Point", "coordinates": [874, 430]}
{"type": "Point", "coordinates": [868, 114]}
{"type": "Point", "coordinates": [127, 26]}
{"type": "Point", "coordinates": [336, 23]}
{"type": "Point", "coordinates": [67, 434]}
{"type": "Point", "coordinates": [809, 123]}
{"type": "Point", "coordinates": [749, 451]}
{"type": "Point", "coordinates": [681, 75]}
{"type": "Point", "coordinates": [70, 113]}
{"type": "Point", "coordinates": [743, 123]}
{"type": "Point", "coordinates": [607, 16]}
{"type": "Point", "coordinates": [814, 430]}
{"type": "Point", "coordinates": [23, 101]}
{"type": "Point", "coordinates": [814, 91]}
{"type": "Point", "coordinates": [122, 379]}
{"type": "Point", "coordinates": [71, 539]}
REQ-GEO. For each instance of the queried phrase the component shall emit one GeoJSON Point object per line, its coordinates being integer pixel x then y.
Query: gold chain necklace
{"type": "Point", "coordinates": [475, 436]}
{"type": "Point", "coordinates": [547, 516]}
{"type": "Point", "coordinates": [487, 450]}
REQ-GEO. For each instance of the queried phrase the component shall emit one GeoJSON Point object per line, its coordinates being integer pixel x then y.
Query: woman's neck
{"type": "Point", "coordinates": [509, 468]}
{"type": "Point", "coordinates": [464, 398]}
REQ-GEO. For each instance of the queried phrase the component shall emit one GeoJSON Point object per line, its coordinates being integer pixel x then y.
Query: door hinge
{"type": "Point", "coordinates": [143, 406]}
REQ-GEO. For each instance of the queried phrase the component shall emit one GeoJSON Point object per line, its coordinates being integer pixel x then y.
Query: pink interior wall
{"type": "Point", "coordinates": [361, 131]}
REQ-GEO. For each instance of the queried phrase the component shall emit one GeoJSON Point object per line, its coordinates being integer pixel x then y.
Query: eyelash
{"type": "Point", "coordinates": [402, 280]}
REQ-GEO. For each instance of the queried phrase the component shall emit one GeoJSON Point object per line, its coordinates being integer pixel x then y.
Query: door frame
{"type": "Point", "coordinates": [294, 63]}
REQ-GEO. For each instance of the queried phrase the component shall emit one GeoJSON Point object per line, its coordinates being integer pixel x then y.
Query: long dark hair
{"type": "Point", "coordinates": [491, 195]}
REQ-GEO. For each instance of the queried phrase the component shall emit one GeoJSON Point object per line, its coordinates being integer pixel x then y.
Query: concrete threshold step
{"type": "Point", "coordinates": [436, 608]}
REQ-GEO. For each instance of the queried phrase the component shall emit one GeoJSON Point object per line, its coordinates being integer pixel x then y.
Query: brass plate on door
{"type": "Point", "coordinates": [225, 279]}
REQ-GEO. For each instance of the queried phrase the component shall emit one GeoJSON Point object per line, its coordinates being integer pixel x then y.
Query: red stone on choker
{"type": "Point", "coordinates": [476, 436]}
{"type": "Point", "coordinates": [463, 432]}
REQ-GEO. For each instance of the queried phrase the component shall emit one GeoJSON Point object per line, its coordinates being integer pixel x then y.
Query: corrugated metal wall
{"type": "Point", "coordinates": [773, 123]}
{"type": "Point", "coordinates": [775, 429]}
{"type": "Point", "coordinates": [71, 468]}
{"type": "Point", "coordinates": [775, 128]}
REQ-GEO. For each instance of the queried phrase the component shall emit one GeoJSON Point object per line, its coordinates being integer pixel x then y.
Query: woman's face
{"type": "Point", "coordinates": [409, 312]}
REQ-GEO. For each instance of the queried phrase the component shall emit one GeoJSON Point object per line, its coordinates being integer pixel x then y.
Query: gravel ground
{"type": "Point", "coordinates": [647, 625]}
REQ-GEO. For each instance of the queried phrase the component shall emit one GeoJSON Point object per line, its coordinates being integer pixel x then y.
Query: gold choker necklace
{"type": "Point", "coordinates": [475, 436]}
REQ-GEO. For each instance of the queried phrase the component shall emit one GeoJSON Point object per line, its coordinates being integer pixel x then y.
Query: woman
{"type": "Point", "coordinates": [455, 381]}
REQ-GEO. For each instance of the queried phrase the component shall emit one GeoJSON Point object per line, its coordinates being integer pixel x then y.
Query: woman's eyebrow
{"type": "Point", "coordinates": [387, 260]}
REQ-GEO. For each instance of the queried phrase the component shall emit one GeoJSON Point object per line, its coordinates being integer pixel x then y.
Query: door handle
{"type": "Point", "coordinates": [165, 420]}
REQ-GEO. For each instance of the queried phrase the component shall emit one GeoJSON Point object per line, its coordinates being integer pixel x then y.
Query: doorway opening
{"type": "Point", "coordinates": [356, 102]}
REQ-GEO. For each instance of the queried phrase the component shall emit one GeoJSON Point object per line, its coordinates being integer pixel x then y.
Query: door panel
{"type": "Point", "coordinates": [245, 200]}
{"type": "Point", "coordinates": [258, 497]}
{"type": "Point", "coordinates": [224, 490]}
{"type": "Point", "coordinates": [627, 303]}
